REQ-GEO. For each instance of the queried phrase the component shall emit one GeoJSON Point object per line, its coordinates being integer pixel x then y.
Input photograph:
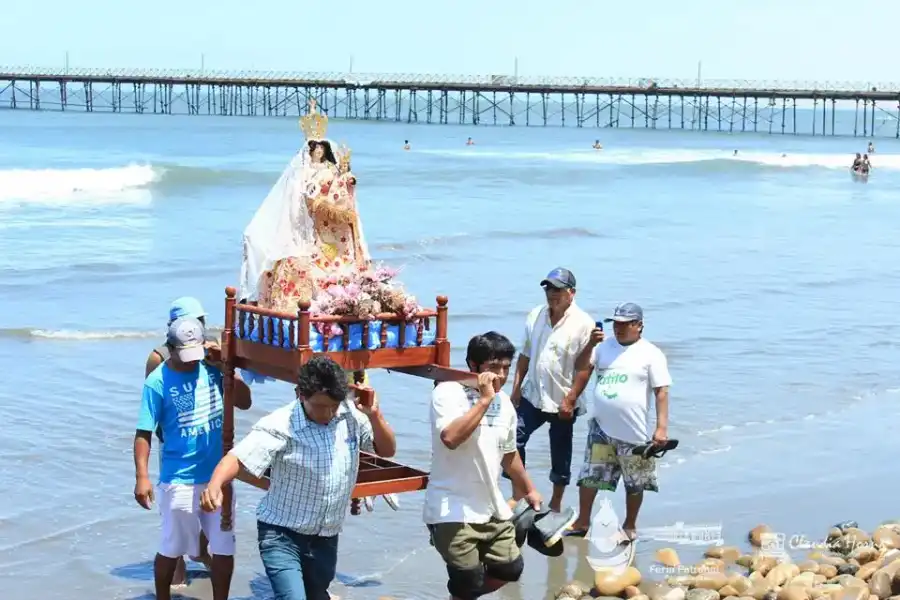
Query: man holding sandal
{"type": "Point", "coordinates": [629, 372]}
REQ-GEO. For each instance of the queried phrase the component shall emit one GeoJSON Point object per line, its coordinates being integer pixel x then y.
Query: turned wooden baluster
{"type": "Point", "coordinates": [383, 337]}
{"type": "Point", "coordinates": [442, 344]}
{"type": "Point", "coordinates": [228, 399]}
{"type": "Point", "coordinates": [345, 337]}
{"type": "Point", "coordinates": [303, 325]}
{"type": "Point", "coordinates": [270, 333]}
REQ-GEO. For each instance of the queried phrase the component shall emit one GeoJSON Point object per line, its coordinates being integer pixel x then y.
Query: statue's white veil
{"type": "Point", "coordinates": [282, 226]}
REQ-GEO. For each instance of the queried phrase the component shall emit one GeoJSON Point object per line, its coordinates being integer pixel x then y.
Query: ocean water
{"type": "Point", "coordinates": [768, 280]}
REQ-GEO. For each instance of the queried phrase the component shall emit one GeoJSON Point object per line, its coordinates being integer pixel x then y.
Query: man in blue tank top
{"type": "Point", "coordinates": [183, 397]}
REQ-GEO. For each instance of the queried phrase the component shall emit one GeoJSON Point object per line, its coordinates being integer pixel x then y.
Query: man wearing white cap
{"type": "Point", "coordinates": [183, 397]}
{"type": "Point", "coordinates": [186, 306]}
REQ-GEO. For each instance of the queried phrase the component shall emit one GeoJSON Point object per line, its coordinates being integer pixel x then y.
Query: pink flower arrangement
{"type": "Point", "coordinates": [363, 294]}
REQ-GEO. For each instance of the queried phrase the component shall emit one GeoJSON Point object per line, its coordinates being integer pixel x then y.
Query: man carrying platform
{"type": "Point", "coordinates": [630, 371]}
{"type": "Point", "coordinates": [184, 397]}
{"type": "Point", "coordinates": [312, 446]}
{"type": "Point", "coordinates": [544, 387]}
{"type": "Point", "coordinates": [473, 435]}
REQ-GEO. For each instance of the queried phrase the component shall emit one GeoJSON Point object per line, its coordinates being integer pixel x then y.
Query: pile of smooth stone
{"type": "Point", "coordinates": [850, 565]}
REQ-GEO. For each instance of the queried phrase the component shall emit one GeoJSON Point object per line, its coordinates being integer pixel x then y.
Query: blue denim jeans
{"type": "Point", "coordinates": [530, 419]}
{"type": "Point", "coordinates": [300, 567]}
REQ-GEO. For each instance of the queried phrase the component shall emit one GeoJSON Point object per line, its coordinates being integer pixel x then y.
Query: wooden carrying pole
{"type": "Point", "coordinates": [228, 401]}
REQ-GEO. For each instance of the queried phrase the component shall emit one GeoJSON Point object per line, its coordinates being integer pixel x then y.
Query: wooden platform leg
{"type": "Point", "coordinates": [228, 400]}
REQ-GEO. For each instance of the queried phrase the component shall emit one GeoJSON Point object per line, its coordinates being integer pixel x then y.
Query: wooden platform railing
{"type": "Point", "coordinates": [252, 319]}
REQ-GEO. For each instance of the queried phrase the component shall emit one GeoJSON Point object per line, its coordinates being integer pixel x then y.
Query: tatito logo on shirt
{"type": "Point", "coordinates": [610, 380]}
{"type": "Point", "coordinates": [196, 415]}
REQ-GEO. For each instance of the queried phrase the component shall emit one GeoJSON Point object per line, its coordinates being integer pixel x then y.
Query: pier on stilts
{"type": "Point", "coordinates": [868, 109]}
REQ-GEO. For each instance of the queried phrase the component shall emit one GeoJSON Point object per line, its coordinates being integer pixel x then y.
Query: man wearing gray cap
{"type": "Point", "coordinates": [186, 306]}
{"type": "Point", "coordinates": [544, 386]}
{"type": "Point", "coordinates": [184, 397]}
{"type": "Point", "coordinates": [630, 370]}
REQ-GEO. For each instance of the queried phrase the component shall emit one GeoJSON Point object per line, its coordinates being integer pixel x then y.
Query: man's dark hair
{"type": "Point", "coordinates": [487, 347]}
{"type": "Point", "coordinates": [322, 375]}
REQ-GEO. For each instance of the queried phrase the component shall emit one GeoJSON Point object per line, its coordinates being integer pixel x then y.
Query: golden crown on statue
{"type": "Point", "coordinates": [315, 124]}
{"type": "Point", "coordinates": [344, 153]}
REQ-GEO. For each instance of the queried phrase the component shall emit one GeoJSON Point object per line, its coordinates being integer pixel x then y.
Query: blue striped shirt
{"type": "Point", "coordinates": [314, 467]}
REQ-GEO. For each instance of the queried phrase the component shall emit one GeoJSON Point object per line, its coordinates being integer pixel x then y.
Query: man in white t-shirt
{"type": "Point", "coordinates": [544, 386]}
{"type": "Point", "coordinates": [629, 372]}
{"type": "Point", "coordinates": [473, 435]}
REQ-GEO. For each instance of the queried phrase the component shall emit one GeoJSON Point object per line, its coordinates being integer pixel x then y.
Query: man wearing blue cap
{"type": "Point", "coordinates": [184, 397]}
{"type": "Point", "coordinates": [190, 307]}
{"type": "Point", "coordinates": [630, 371]}
{"type": "Point", "coordinates": [544, 387]}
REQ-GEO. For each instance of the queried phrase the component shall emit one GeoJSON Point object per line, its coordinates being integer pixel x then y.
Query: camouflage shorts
{"type": "Point", "coordinates": [607, 459]}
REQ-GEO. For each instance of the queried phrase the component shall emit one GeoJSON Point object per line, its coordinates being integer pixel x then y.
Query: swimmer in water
{"type": "Point", "coordinates": [735, 153]}
{"type": "Point", "coordinates": [597, 145]}
{"type": "Point", "coordinates": [871, 148]}
{"type": "Point", "coordinates": [406, 144]}
{"type": "Point", "coordinates": [470, 142]}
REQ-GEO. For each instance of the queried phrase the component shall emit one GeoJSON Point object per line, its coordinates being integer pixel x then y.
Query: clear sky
{"type": "Point", "coordinates": [787, 40]}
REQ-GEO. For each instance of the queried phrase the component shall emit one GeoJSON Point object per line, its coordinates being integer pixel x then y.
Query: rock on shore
{"type": "Point", "coordinates": [852, 564]}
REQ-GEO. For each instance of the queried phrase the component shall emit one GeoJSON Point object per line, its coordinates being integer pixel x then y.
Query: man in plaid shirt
{"type": "Point", "coordinates": [312, 446]}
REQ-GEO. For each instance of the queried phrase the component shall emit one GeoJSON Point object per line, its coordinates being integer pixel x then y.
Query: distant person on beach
{"type": "Point", "coordinates": [312, 446]}
{"type": "Point", "coordinates": [406, 144]}
{"type": "Point", "coordinates": [544, 388]}
{"type": "Point", "coordinates": [183, 396]}
{"type": "Point", "coordinates": [182, 307]}
{"type": "Point", "coordinates": [473, 440]}
{"type": "Point", "coordinates": [470, 142]}
{"type": "Point", "coordinates": [630, 371]}
{"type": "Point", "coordinates": [597, 145]}
{"type": "Point", "coordinates": [871, 149]}
{"type": "Point", "coordinates": [735, 153]}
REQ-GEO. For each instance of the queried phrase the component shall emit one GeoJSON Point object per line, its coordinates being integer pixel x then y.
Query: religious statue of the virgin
{"type": "Point", "coordinates": [307, 230]}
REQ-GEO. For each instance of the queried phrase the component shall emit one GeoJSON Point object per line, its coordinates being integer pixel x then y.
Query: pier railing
{"type": "Point", "coordinates": [436, 79]}
{"type": "Point", "coordinates": [866, 108]}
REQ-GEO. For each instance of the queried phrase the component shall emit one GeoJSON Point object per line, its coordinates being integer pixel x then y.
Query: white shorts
{"type": "Point", "coordinates": [183, 519]}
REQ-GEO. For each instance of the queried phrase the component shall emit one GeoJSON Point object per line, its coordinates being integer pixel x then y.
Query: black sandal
{"type": "Point", "coordinates": [655, 450]}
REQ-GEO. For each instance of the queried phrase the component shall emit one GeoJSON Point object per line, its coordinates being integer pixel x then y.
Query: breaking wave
{"type": "Point", "coordinates": [133, 182]}
{"type": "Point", "coordinates": [711, 159]}
{"type": "Point", "coordinates": [98, 184]}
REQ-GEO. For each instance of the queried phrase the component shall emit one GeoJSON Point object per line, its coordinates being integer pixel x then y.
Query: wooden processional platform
{"type": "Point", "coordinates": [277, 344]}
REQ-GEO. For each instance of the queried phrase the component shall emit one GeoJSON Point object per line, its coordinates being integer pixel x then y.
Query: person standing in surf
{"type": "Point", "coordinates": [544, 387]}
{"type": "Point", "coordinates": [184, 397]}
{"type": "Point", "coordinates": [630, 371]}
{"type": "Point", "coordinates": [185, 306]}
